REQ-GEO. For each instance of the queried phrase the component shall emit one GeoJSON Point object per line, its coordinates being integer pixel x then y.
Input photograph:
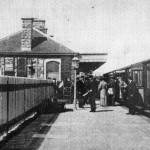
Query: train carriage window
{"type": "Point", "coordinates": [140, 77]}
{"type": "Point", "coordinates": [148, 75]}
{"type": "Point", "coordinates": [137, 77]}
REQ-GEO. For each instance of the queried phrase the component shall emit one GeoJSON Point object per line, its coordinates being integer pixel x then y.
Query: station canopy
{"type": "Point", "coordinates": [115, 63]}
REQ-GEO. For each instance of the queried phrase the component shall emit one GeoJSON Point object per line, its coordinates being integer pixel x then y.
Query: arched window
{"type": "Point", "coordinates": [52, 69]}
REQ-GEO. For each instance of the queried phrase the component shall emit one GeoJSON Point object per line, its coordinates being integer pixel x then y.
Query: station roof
{"type": "Point", "coordinates": [93, 57]}
{"type": "Point", "coordinates": [135, 59]}
{"type": "Point", "coordinates": [41, 44]}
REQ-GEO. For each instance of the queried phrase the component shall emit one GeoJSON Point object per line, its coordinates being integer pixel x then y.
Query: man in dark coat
{"type": "Point", "coordinates": [87, 88]}
{"type": "Point", "coordinates": [93, 93]}
{"type": "Point", "coordinates": [80, 91]}
{"type": "Point", "coordinates": [132, 94]}
{"type": "Point", "coordinates": [114, 85]}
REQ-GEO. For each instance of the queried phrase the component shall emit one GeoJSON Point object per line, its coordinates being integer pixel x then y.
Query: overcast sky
{"type": "Point", "coordinates": [113, 26]}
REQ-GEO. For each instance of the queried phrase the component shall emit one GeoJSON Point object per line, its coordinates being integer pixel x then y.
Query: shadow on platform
{"type": "Point", "coordinates": [30, 134]}
{"type": "Point", "coordinates": [104, 110]}
{"type": "Point", "coordinates": [68, 109]}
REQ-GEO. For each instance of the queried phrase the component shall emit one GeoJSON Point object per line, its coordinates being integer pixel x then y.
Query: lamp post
{"type": "Point", "coordinates": [75, 65]}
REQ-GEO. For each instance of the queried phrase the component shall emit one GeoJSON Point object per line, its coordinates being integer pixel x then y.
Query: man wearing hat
{"type": "Point", "coordinates": [93, 92]}
{"type": "Point", "coordinates": [115, 87]}
{"type": "Point", "coordinates": [80, 91]}
{"type": "Point", "coordinates": [87, 88]}
{"type": "Point", "coordinates": [132, 93]}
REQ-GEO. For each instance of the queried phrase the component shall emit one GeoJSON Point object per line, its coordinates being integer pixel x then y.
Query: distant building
{"type": "Point", "coordinates": [32, 53]}
{"type": "Point", "coordinates": [91, 61]}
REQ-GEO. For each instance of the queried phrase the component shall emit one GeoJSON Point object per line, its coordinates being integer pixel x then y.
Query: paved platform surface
{"type": "Point", "coordinates": [109, 128]}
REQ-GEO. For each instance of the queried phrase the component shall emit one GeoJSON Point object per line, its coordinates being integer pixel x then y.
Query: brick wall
{"type": "Point", "coordinates": [66, 67]}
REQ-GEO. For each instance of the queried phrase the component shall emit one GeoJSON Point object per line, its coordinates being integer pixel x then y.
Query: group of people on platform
{"type": "Point", "coordinates": [87, 91]}
{"type": "Point", "coordinates": [89, 88]}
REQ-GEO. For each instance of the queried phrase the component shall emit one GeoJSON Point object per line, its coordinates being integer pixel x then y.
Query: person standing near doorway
{"type": "Point", "coordinates": [123, 89]}
{"type": "Point", "coordinates": [132, 94]}
{"type": "Point", "coordinates": [115, 87]}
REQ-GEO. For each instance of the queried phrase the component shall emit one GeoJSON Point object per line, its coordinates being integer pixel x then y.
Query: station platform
{"type": "Point", "coordinates": [109, 128]}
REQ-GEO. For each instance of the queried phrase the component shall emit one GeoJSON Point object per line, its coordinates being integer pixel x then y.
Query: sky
{"type": "Point", "coordinates": [117, 27]}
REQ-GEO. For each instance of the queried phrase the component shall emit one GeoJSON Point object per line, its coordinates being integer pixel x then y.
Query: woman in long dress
{"type": "Point", "coordinates": [102, 87]}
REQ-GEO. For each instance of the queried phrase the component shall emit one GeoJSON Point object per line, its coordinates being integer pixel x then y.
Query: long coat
{"type": "Point", "coordinates": [80, 92]}
{"type": "Point", "coordinates": [80, 87]}
{"type": "Point", "coordinates": [94, 89]}
{"type": "Point", "coordinates": [132, 93]}
{"type": "Point", "coordinates": [94, 86]}
{"type": "Point", "coordinates": [115, 87]}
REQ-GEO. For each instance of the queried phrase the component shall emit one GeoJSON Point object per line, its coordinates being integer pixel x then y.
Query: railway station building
{"type": "Point", "coordinates": [32, 53]}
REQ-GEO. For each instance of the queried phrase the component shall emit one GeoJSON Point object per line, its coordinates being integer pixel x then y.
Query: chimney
{"type": "Point", "coordinates": [40, 25]}
{"type": "Point", "coordinates": [27, 31]}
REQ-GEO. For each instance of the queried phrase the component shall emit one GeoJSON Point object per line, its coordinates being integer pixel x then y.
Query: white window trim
{"type": "Point", "coordinates": [49, 60]}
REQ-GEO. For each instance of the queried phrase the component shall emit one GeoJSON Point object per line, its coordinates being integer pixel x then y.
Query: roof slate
{"type": "Point", "coordinates": [40, 44]}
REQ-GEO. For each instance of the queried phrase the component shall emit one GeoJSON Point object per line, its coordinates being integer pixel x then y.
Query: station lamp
{"type": "Point", "coordinates": [75, 66]}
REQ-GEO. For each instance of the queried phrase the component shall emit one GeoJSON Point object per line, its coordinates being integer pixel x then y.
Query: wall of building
{"type": "Point", "coordinates": [35, 68]}
{"type": "Point", "coordinates": [66, 67]}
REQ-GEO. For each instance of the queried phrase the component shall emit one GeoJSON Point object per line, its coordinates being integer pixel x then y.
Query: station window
{"type": "Point", "coordinates": [137, 77]}
{"type": "Point", "coordinates": [9, 66]}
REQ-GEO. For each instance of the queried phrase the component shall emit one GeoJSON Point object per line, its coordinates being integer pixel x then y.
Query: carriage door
{"type": "Point", "coordinates": [52, 70]}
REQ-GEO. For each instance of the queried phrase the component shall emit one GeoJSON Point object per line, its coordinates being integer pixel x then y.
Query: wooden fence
{"type": "Point", "coordinates": [21, 96]}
